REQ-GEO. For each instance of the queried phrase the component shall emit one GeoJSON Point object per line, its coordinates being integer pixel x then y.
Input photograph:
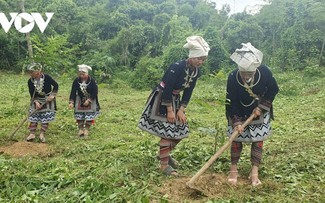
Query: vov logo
{"type": "Point", "coordinates": [31, 18]}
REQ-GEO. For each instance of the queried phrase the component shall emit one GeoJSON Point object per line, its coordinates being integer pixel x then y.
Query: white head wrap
{"type": "Point", "coordinates": [34, 67]}
{"type": "Point", "coordinates": [84, 68]}
{"type": "Point", "coordinates": [248, 58]}
{"type": "Point", "coordinates": [197, 46]}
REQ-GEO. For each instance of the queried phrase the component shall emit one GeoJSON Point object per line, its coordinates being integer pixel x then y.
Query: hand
{"type": "Point", "coordinates": [86, 103]}
{"type": "Point", "coordinates": [37, 105]}
{"type": "Point", "coordinates": [181, 116]}
{"type": "Point", "coordinates": [50, 98]}
{"type": "Point", "coordinates": [171, 118]}
{"type": "Point", "coordinates": [70, 105]}
{"type": "Point", "coordinates": [257, 112]}
{"type": "Point", "coordinates": [239, 128]}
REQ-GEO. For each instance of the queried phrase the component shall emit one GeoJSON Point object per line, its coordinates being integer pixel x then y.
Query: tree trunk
{"type": "Point", "coordinates": [273, 48]}
{"type": "Point", "coordinates": [321, 52]}
{"type": "Point", "coordinates": [29, 42]}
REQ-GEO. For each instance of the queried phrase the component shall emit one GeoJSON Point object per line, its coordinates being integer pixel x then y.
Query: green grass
{"type": "Point", "coordinates": [117, 164]}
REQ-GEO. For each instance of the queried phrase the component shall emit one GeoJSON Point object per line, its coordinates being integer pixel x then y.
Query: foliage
{"type": "Point", "coordinates": [290, 33]}
{"type": "Point", "coordinates": [50, 53]}
{"type": "Point", "coordinates": [117, 163]}
{"type": "Point", "coordinates": [147, 73]}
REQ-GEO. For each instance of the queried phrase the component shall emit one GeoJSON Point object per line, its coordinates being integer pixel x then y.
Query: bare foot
{"type": "Point", "coordinates": [255, 180]}
{"type": "Point", "coordinates": [253, 176]}
{"type": "Point", "coordinates": [30, 137]}
{"type": "Point", "coordinates": [42, 138]}
{"type": "Point", "coordinates": [80, 133]}
{"type": "Point", "coordinates": [232, 178]}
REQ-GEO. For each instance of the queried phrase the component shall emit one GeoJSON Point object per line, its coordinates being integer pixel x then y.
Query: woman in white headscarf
{"type": "Point", "coordinates": [164, 113]}
{"type": "Point", "coordinates": [251, 88]}
{"type": "Point", "coordinates": [84, 100]}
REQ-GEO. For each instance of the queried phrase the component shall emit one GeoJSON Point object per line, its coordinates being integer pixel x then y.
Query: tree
{"type": "Point", "coordinates": [237, 32]}
{"type": "Point", "coordinates": [55, 53]}
{"type": "Point", "coordinates": [218, 56]}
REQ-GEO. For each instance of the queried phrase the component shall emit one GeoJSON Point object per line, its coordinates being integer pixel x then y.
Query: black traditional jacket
{"type": "Point", "coordinates": [179, 77]}
{"type": "Point", "coordinates": [240, 102]}
{"type": "Point", "coordinates": [91, 91]}
{"type": "Point", "coordinates": [49, 86]}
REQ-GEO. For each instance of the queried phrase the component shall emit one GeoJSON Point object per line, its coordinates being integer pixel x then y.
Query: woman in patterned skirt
{"type": "Point", "coordinates": [84, 99]}
{"type": "Point", "coordinates": [251, 88]}
{"type": "Point", "coordinates": [42, 89]}
{"type": "Point", "coordinates": [164, 113]}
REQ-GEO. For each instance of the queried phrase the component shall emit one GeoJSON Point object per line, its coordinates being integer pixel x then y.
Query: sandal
{"type": "Point", "coordinates": [30, 138]}
{"type": "Point", "coordinates": [42, 138]}
{"type": "Point", "coordinates": [255, 183]}
{"type": "Point", "coordinates": [172, 162]}
{"type": "Point", "coordinates": [233, 181]}
{"type": "Point", "coordinates": [170, 171]}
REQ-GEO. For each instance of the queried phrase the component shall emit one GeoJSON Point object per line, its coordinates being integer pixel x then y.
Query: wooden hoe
{"type": "Point", "coordinates": [22, 122]}
{"type": "Point", "coordinates": [233, 136]}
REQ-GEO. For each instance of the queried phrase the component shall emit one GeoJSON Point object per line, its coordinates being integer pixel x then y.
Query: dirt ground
{"type": "Point", "coordinates": [22, 149]}
{"type": "Point", "coordinates": [205, 187]}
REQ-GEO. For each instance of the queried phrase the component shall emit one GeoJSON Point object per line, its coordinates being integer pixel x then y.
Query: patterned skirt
{"type": "Point", "coordinates": [158, 125]}
{"type": "Point", "coordinates": [88, 116]}
{"type": "Point", "coordinates": [44, 115]}
{"type": "Point", "coordinates": [256, 132]}
{"type": "Point", "coordinates": [87, 113]}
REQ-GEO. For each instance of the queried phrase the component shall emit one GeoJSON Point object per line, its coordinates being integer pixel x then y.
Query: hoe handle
{"type": "Point", "coordinates": [233, 136]}
{"type": "Point", "coordinates": [21, 123]}
{"type": "Point", "coordinates": [24, 120]}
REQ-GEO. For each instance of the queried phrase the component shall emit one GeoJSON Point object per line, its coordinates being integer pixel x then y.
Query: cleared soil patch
{"type": "Point", "coordinates": [22, 149]}
{"type": "Point", "coordinates": [206, 187]}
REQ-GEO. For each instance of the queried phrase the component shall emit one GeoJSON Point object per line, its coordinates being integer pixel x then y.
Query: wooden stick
{"type": "Point", "coordinates": [233, 136]}
{"type": "Point", "coordinates": [23, 121]}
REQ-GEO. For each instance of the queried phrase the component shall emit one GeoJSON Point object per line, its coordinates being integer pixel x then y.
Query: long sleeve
{"type": "Point", "coordinates": [170, 79]}
{"type": "Point", "coordinates": [94, 90]}
{"type": "Point", "coordinates": [271, 90]}
{"type": "Point", "coordinates": [232, 100]}
{"type": "Point", "coordinates": [74, 89]}
{"type": "Point", "coordinates": [31, 88]}
{"type": "Point", "coordinates": [54, 84]}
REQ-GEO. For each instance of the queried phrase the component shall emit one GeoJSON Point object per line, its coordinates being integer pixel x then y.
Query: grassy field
{"type": "Point", "coordinates": [117, 163]}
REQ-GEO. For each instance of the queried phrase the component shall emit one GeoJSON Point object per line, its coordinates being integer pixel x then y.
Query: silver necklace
{"type": "Point", "coordinates": [252, 82]}
{"type": "Point", "coordinates": [83, 87]}
{"type": "Point", "coordinates": [189, 77]}
{"type": "Point", "coordinates": [39, 85]}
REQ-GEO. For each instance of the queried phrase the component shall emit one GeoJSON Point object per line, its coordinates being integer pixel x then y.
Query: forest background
{"type": "Point", "coordinates": [136, 40]}
{"type": "Point", "coordinates": [129, 44]}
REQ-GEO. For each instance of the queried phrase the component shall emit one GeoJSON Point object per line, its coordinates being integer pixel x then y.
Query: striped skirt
{"type": "Point", "coordinates": [255, 132]}
{"type": "Point", "coordinates": [158, 125]}
{"type": "Point", "coordinates": [44, 115]}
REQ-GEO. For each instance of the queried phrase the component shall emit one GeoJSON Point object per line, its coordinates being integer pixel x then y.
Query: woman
{"type": "Point", "coordinates": [164, 113]}
{"type": "Point", "coordinates": [84, 99]}
{"type": "Point", "coordinates": [251, 88]}
{"type": "Point", "coordinates": [42, 89]}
